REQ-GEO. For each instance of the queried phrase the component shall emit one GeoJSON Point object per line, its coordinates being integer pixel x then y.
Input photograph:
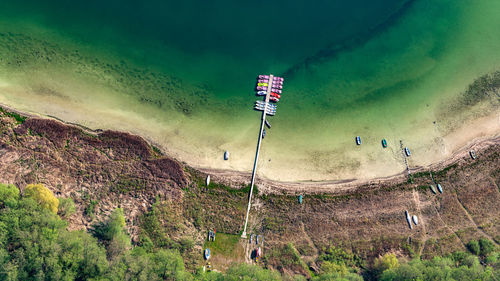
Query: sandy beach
{"type": "Point", "coordinates": [436, 154]}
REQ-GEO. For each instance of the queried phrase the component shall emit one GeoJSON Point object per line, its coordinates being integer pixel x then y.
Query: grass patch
{"type": "Point", "coordinates": [20, 119]}
{"type": "Point", "coordinates": [224, 244]}
{"type": "Point", "coordinates": [156, 150]}
{"type": "Point", "coordinates": [125, 185]}
{"type": "Point", "coordinates": [244, 189]}
{"type": "Point", "coordinates": [443, 172]}
{"type": "Point", "coordinates": [90, 209]}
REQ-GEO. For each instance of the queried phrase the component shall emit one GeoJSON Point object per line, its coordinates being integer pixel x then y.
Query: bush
{"type": "Point", "coordinates": [66, 207]}
{"type": "Point", "coordinates": [474, 247]}
{"type": "Point", "coordinates": [43, 196]}
{"type": "Point", "coordinates": [250, 272]}
{"type": "Point", "coordinates": [387, 261]}
{"type": "Point", "coordinates": [486, 246]}
{"type": "Point", "coordinates": [9, 194]}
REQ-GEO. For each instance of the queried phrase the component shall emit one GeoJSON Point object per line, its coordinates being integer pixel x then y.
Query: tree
{"type": "Point", "coordinates": [9, 194]}
{"type": "Point", "coordinates": [43, 196]}
{"type": "Point", "coordinates": [250, 272]}
{"type": "Point", "coordinates": [474, 247]}
{"type": "Point", "coordinates": [387, 261]}
{"type": "Point", "coordinates": [486, 246]}
{"type": "Point", "coordinates": [114, 234]}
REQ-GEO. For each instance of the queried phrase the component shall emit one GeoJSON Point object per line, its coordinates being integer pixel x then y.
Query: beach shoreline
{"type": "Point", "coordinates": [456, 151]}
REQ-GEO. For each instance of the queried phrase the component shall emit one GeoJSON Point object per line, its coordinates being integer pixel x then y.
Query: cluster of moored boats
{"type": "Point", "coordinates": [270, 89]}
{"type": "Point", "coordinates": [263, 83]}
{"type": "Point", "coordinates": [271, 108]}
{"type": "Point", "coordinates": [384, 145]}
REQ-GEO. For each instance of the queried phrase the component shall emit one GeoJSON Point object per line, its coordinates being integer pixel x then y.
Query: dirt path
{"type": "Point", "coordinates": [309, 241]}
{"type": "Point", "coordinates": [421, 221]}
{"type": "Point", "coordinates": [473, 222]}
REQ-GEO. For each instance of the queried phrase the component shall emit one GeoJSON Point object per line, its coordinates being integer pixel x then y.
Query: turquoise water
{"type": "Point", "coordinates": [373, 68]}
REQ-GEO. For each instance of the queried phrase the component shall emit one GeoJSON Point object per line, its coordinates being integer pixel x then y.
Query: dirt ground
{"type": "Point", "coordinates": [105, 170]}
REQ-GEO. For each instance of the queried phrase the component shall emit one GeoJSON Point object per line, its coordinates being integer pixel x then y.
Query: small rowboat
{"type": "Point", "coordinates": [384, 143]}
{"type": "Point", "coordinates": [407, 152]}
{"type": "Point", "coordinates": [472, 154]}
{"type": "Point", "coordinates": [208, 180]}
{"type": "Point", "coordinates": [206, 253]}
{"type": "Point", "coordinates": [358, 140]}
{"type": "Point", "coordinates": [433, 188]}
{"type": "Point", "coordinates": [440, 189]}
{"type": "Point", "coordinates": [415, 219]}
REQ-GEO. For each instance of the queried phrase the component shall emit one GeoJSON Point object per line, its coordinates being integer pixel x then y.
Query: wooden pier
{"type": "Point", "coordinates": [262, 125]}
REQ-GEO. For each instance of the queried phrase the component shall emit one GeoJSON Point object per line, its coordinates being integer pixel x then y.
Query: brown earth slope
{"type": "Point", "coordinates": [105, 170]}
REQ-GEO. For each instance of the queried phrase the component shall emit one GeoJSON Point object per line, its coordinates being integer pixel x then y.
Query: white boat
{"type": "Point", "coordinates": [261, 93]}
{"type": "Point", "coordinates": [208, 180]}
{"type": "Point", "coordinates": [407, 152]}
{"type": "Point", "coordinates": [440, 188]}
{"type": "Point", "coordinates": [206, 253]}
{"type": "Point", "coordinates": [415, 219]}
{"type": "Point", "coordinates": [226, 155]}
{"type": "Point", "coordinates": [358, 140]}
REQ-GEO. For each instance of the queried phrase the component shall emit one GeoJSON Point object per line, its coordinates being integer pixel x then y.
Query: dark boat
{"type": "Point", "coordinates": [473, 154]}
{"type": "Point", "coordinates": [384, 143]}
{"type": "Point", "coordinates": [358, 140]}
{"type": "Point", "coordinates": [268, 124]}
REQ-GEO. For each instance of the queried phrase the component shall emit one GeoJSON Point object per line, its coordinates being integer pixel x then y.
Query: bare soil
{"type": "Point", "coordinates": [109, 169]}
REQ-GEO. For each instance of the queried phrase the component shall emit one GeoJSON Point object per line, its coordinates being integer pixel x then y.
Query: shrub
{"type": "Point", "coordinates": [474, 247]}
{"type": "Point", "coordinates": [43, 196]}
{"type": "Point", "coordinates": [9, 194]}
{"type": "Point", "coordinates": [486, 246]}
{"type": "Point", "coordinates": [387, 261]}
{"type": "Point", "coordinates": [66, 207]}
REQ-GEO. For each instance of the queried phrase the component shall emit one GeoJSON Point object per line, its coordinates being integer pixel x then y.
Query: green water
{"type": "Point", "coordinates": [372, 68]}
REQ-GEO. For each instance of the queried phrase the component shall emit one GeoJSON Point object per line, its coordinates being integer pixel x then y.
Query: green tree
{"type": "Point", "coordinates": [385, 262]}
{"type": "Point", "coordinates": [474, 247]}
{"type": "Point", "coordinates": [37, 246]}
{"type": "Point", "coordinates": [9, 194]}
{"type": "Point", "coordinates": [114, 234]}
{"type": "Point", "coordinates": [43, 196]}
{"type": "Point", "coordinates": [250, 272]}
{"type": "Point", "coordinates": [486, 246]}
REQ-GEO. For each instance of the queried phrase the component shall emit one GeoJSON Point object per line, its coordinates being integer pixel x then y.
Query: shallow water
{"type": "Point", "coordinates": [182, 73]}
